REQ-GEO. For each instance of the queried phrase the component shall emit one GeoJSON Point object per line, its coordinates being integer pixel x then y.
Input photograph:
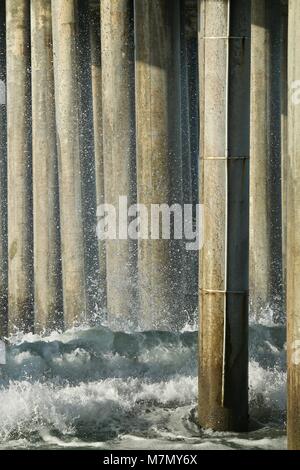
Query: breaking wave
{"type": "Point", "coordinates": [92, 387]}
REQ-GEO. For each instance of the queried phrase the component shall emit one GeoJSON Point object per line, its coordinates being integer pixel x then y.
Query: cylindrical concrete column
{"type": "Point", "coordinates": [67, 126]}
{"type": "Point", "coordinates": [284, 136]}
{"type": "Point", "coordinates": [185, 109]}
{"type": "Point", "coordinates": [265, 194]}
{"type": "Point", "coordinates": [190, 264]}
{"type": "Point", "coordinates": [3, 177]}
{"type": "Point", "coordinates": [47, 265]}
{"type": "Point", "coordinates": [159, 164]}
{"type": "Point", "coordinates": [191, 29]}
{"type": "Point", "coordinates": [96, 75]}
{"type": "Point", "coordinates": [117, 56]}
{"type": "Point", "coordinates": [87, 161]}
{"type": "Point", "coordinates": [19, 165]}
{"type": "Point", "coordinates": [224, 58]}
{"type": "Point", "coordinates": [293, 223]}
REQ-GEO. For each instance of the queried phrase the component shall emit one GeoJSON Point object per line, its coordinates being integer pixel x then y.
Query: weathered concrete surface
{"type": "Point", "coordinates": [190, 258]}
{"type": "Point", "coordinates": [159, 163]}
{"type": "Point", "coordinates": [3, 178]}
{"type": "Point", "coordinates": [224, 172]}
{"type": "Point", "coordinates": [293, 233]}
{"type": "Point", "coordinates": [20, 263]}
{"type": "Point", "coordinates": [284, 132]}
{"type": "Point", "coordinates": [265, 194]}
{"type": "Point", "coordinates": [87, 159]}
{"type": "Point", "coordinates": [68, 147]}
{"type": "Point", "coordinates": [117, 56]}
{"type": "Point", "coordinates": [47, 264]}
{"type": "Point", "coordinates": [96, 76]}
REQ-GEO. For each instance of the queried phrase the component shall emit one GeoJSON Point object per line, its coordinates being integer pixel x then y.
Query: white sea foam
{"type": "Point", "coordinates": [91, 387]}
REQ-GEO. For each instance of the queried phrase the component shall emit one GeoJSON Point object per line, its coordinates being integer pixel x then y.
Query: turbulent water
{"type": "Point", "coordinates": [95, 388]}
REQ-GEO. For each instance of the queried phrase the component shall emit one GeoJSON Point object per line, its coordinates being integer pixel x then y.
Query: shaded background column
{"type": "Point", "coordinates": [3, 177]}
{"type": "Point", "coordinates": [117, 61]}
{"type": "Point", "coordinates": [284, 132]}
{"type": "Point", "coordinates": [96, 77]}
{"type": "Point", "coordinates": [47, 264]}
{"type": "Point", "coordinates": [20, 263]}
{"type": "Point", "coordinates": [265, 149]}
{"type": "Point", "coordinates": [68, 147]}
{"type": "Point", "coordinates": [159, 162]}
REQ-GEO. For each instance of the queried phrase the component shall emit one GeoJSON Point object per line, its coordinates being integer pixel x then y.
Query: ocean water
{"type": "Point", "coordinates": [95, 388]}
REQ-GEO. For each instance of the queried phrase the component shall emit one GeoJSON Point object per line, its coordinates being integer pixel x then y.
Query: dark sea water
{"type": "Point", "coordinates": [95, 388]}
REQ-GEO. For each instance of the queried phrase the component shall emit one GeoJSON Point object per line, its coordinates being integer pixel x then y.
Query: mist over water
{"type": "Point", "coordinates": [91, 387]}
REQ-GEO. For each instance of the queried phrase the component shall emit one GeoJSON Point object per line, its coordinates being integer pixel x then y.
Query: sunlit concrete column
{"type": "Point", "coordinates": [67, 126]}
{"type": "Point", "coordinates": [47, 265]}
{"type": "Point", "coordinates": [117, 57]}
{"type": "Point", "coordinates": [20, 262]}
{"type": "Point", "coordinates": [3, 177]}
{"type": "Point", "coordinates": [96, 75]}
{"type": "Point", "coordinates": [293, 223]}
{"type": "Point", "coordinates": [224, 60]}
{"type": "Point", "coordinates": [265, 194]}
{"type": "Point", "coordinates": [159, 164]}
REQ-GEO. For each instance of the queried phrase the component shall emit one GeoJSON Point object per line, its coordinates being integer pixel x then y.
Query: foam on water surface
{"type": "Point", "coordinates": [96, 388]}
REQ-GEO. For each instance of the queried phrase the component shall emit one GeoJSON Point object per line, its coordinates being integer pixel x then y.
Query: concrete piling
{"type": "Point", "coordinates": [284, 132]}
{"type": "Point", "coordinates": [20, 262]}
{"type": "Point", "coordinates": [101, 102]}
{"type": "Point", "coordinates": [265, 193]}
{"type": "Point", "coordinates": [96, 77]}
{"type": "Point", "coordinates": [3, 177]}
{"type": "Point", "coordinates": [159, 162]}
{"type": "Point", "coordinates": [47, 265]}
{"type": "Point", "coordinates": [87, 160]}
{"type": "Point", "coordinates": [68, 147]}
{"type": "Point", "coordinates": [191, 36]}
{"type": "Point", "coordinates": [189, 257]}
{"type": "Point", "coordinates": [293, 234]}
{"type": "Point", "coordinates": [224, 170]}
{"type": "Point", "coordinates": [117, 62]}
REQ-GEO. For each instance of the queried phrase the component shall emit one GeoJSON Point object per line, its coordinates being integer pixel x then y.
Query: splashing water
{"type": "Point", "coordinates": [95, 388]}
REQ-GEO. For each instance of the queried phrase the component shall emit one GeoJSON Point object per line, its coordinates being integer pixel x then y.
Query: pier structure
{"type": "Point", "coordinates": [120, 103]}
{"type": "Point", "coordinates": [224, 75]}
